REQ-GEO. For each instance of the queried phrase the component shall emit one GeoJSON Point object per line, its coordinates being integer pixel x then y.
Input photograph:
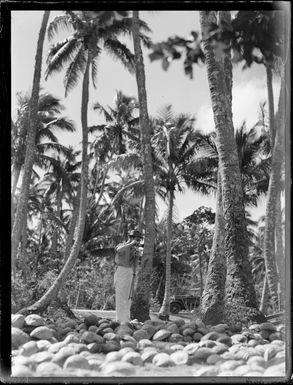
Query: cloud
{"type": "Point", "coordinates": [247, 97]}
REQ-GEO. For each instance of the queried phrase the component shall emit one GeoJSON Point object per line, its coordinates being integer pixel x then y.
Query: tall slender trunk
{"type": "Point", "coordinates": [141, 302]}
{"type": "Point", "coordinates": [275, 180]}
{"type": "Point", "coordinates": [23, 249]}
{"type": "Point", "coordinates": [165, 309]}
{"type": "Point", "coordinates": [54, 247]}
{"type": "Point", "coordinates": [212, 301]}
{"type": "Point", "coordinates": [269, 78]}
{"type": "Point", "coordinates": [72, 226]}
{"type": "Point", "coordinates": [30, 144]}
{"type": "Point", "coordinates": [279, 252]}
{"type": "Point", "coordinates": [240, 297]}
{"type": "Point", "coordinates": [264, 296]}
{"type": "Point", "coordinates": [15, 178]}
{"type": "Point", "coordinates": [52, 293]}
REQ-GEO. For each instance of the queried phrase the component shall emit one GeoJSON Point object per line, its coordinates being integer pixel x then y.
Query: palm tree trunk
{"type": "Point", "coordinates": [141, 301]}
{"type": "Point", "coordinates": [72, 227]}
{"type": "Point", "coordinates": [240, 297]}
{"type": "Point", "coordinates": [30, 145]}
{"type": "Point", "coordinates": [15, 173]}
{"type": "Point", "coordinates": [56, 230]}
{"type": "Point", "coordinates": [212, 300]}
{"type": "Point", "coordinates": [279, 252]}
{"type": "Point", "coordinates": [52, 293]}
{"type": "Point", "coordinates": [165, 309]}
{"type": "Point", "coordinates": [23, 250]}
{"type": "Point", "coordinates": [275, 180]}
{"type": "Point", "coordinates": [269, 78]}
{"type": "Point", "coordinates": [264, 296]}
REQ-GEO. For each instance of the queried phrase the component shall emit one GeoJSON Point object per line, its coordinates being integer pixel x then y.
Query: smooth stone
{"type": "Point", "coordinates": [278, 343]}
{"type": "Point", "coordinates": [144, 343]}
{"type": "Point", "coordinates": [123, 330]}
{"type": "Point", "coordinates": [147, 356]}
{"type": "Point", "coordinates": [78, 347]}
{"type": "Point", "coordinates": [205, 371]}
{"type": "Point", "coordinates": [187, 339]}
{"type": "Point", "coordinates": [62, 355]}
{"type": "Point", "coordinates": [203, 331]}
{"type": "Point", "coordinates": [230, 364]}
{"type": "Point", "coordinates": [111, 337]}
{"type": "Point", "coordinates": [133, 358]}
{"type": "Point", "coordinates": [95, 364]}
{"type": "Point", "coordinates": [238, 338]}
{"type": "Point", "coordinates": [93, 328]}
{"type": "Point", "coordinates": [54, 348]}
{"type": "Point", "coordinates": [42, 357]}
{"type": "Point", "coordinates": [22, 360]}
{"type": "Point", "coordinates": [70, 324]}
{"type": "Point", "coordinates": [18, 337]}
{"type": "Point", "coordinates": [94, 347]}
{"type": "Point", "coordinates": [43, 344]}
{"type": "Point", "coordinates": [219, 328]}
{"type": "Point", "coordinates": [188, 332]}
{"type": "Point", "coordinates": [174, 348]}
{"type": "Point", "coordinates": [29, 348]}
{"type": "Point", "coordinates": [128, 338]}
{"type": "Point", "coordinates": [201, 354]}
{"type": "Point", "coordinates": [48, 369]}
{"type": "Point", "coordinates": [92, 320]}
{"type": "Point", "coordinates": [107, 330]}
{"type": "Point", "coordinates": [265, 334]}
{"type": "Point", "coordinates": [162, 360]}
{"type": "Point", "coordinates": [173, 328]}
{"type": "Point", "coordinates": [275, 371]}
{"type": "Point", "coordinates": [21, 371]}
{"type": "Point", "coordinates": [17, 320]}
{"type": "Point", "coordinates": [127, 344]}
{"type": "Point", "coordinates": [267, 326]}
{"type": "Point", "coordinates": [110, 347]}
{"type": "Point", "coordinates": [150, 329]}
{"type": "Point", "coordinates": [220, 348]}
{"type": "Point", "coordinates": [76, 361]}
{"type": "Point", "coordinates": [191, 348]}
{"type": "Point", "coordinates": [71, 338]}
{"type": "Point", "coordinates": [113, 356]}
{"type": "Point", "coordinates": [241, 370]}
{"type": "Point", "coordinates": [224, 339]}
{"type": "Point", "coordinates": [125, 350]}
{"type": "Point", "coordinates": [196, 337]}
{"type": "Point", "coordinates": [82, 326]}
{"type": "Point", "coordinates": [118, 368]}
{"type": "Point", "coordinates": [275, 336]}
{"type": "Point", "coordinates": [213, 359]}
{"type": "Point", "coordinates": [270, 352]}
{"type": "Point", "coordinates": [161, 335]}
{"type": "Point", "coordinates": [42, 333]}
{"type": "Point", "coordinates": [207, 343]}
{"type": "Point", "coordinates": [180, 357]}
{"type": "Point", "coordinates": [90, 337]}
{"type": "Point", "coordinates": [34, 320]}
{"type": "Point", "coordinates": [175, 337]}
{"type": "Point", "coordinates": [213, 336]}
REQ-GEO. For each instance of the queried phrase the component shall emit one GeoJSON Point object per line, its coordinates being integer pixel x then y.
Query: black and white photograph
{"type": "Point", "coordinates": [150, 193]}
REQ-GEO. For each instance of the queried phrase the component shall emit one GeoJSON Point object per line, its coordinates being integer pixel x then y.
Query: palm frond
{"type": "Point", "coordinates": [108, 116]}
{"type": "Point", "coordinates": [94, 71]}
{"type": "Point", "coordinates": [120, 52]}
{"type": "Point", "coordinates": [63, 124]}
{"type": "Point", "coordinates": [125, 161]}
{"type": "Point", "coordinates": [50, 104]}
{"type": "Point", "coordinates": [75, 69]}
{"type": "Point", "coordinates": [60, 54]}
{"type": "Point", "coordinates": [59, 23]}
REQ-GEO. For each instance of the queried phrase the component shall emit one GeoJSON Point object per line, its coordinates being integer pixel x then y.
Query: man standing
{"type": "Point", "coordinates": [126, 259]}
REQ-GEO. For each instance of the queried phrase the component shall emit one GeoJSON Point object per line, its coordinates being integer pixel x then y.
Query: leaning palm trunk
{"type": "Point", "coordinates": [57, 285]}
{"type": "Point", "coordinates": [141, 302]}
{"type": "Point", "coordinates": [72, 226]}
{"type": "Point", "coordinates": [240, 297]}
{"type": "Point", "coordinates": [165, 309]}
{"type": "Point", "coordinates": [15, 173]}
{"type": "Point", "coordinates": [275, 180]}
{"type": "Point", "coordinates": [279, 252]}
{"type": "Point", "coordinates": [212, 301]}
{"type": "Point", "coordinates": [54, 247]}
{"type": "Point", "coordinates": [264, 296]}
{"type": "Point", "coordinates": [30, 145]}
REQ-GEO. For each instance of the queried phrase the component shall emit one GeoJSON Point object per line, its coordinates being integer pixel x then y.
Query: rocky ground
{"type": "Point", "coordinates": [96, 346]}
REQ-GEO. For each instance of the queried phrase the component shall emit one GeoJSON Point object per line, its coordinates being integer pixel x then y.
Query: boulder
{"type": "Point", "coordinates": [92, 320]}
{"type": "Point", "coordinates": [48, 369]}
{"type": "Point", "coordinates": [29, 348]}
{"type": "Point", "coordinates": [161, 335]}
{"type": "Point", "coordinates": [180, 357]}
{"type": "Point", "coordinates": [76, 361]}
{"type": "Point", "coordinates": [118, 368]}
{"type": "Point", "coordinates": [42, 333]}
{"type": "Point", "coordinates": [90, 337]}
{"type": "Point", "coordinates": [18, 337]}
{"type": "Point", "coordinates": [34, 320]}
{"type": "Point", "coordinates": [162, 360]}
{"type": "Point", "coordinates": [140, 335]}
{"type": "Point", "coordinates": [42, 357]}
{"type": "Point", "coordinates": [133, 358]}
{"type": "Point", "coordinates": [21, 371]}
{"type": "Point", "coordinates": [17, 320]}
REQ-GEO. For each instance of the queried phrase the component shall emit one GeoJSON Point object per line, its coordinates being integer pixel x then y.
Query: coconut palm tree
{"type": "Point", "coordinates": [48, 120]}
{"type": "Point", "coordinates": [91, 33]}
{"type": "Point", "coordinates": [174, 147]}
{"type": "Point", "coordinates": [240, 298]}
{"type": "Point", "coordinates": [30, 144]}
{"type": "Point", "coordinates": [140, 309]}
{"type": "Point", "coordinates": [62, 178]}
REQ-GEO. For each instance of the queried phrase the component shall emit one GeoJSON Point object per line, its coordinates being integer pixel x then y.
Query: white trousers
{"type": "Point", "coordinates": [122, 283]}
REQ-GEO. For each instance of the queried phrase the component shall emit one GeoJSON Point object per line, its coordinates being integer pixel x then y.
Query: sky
{"type": "Point", "coordinates": [170, 87]}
